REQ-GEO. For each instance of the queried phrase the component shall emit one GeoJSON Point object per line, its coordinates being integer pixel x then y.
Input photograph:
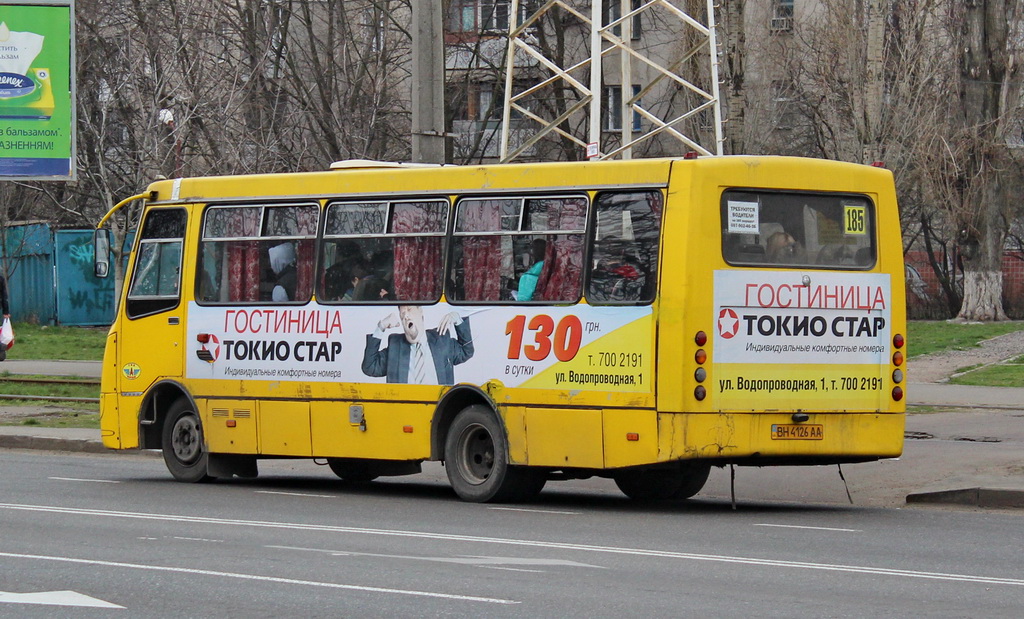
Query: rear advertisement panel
{"type": "Point", "coordinates": [801, 341]}
{"type": "Point", "coordinates": [569, 348]}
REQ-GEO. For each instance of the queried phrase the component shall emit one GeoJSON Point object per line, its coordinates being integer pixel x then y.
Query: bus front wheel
{"type": "Point", "coordinates": [184, 454]}
{"type": "Point", "coordinates": [476, 460]}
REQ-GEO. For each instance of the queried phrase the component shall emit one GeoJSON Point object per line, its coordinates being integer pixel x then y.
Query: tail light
{"type": "Point", "coordinates": [898, 341]}
{"type": "Point", "coordinates": [701, 357]}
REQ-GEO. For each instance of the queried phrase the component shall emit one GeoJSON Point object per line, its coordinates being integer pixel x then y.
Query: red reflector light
{"type": "Point", "coordinates": [700, 356]}
{"type": "Point", "coordinates": [877, 164]}
{"type": "Point", "coordinates": [407, 429]}
{"type": "Point", "coordinates": [203, 338]}
{"type": "Point", "coordinates": [231, 423]}
{"type": "Point", "coordinates": [632, 436]}
{"type": "Point", "coordinates": [897, 393]}
{"type": "Point", "coordinates": [897, 340]}
{"type": "Point", "coordinates": [701, 338]}
{"type": "Point", "coordinates": [690, 155]}
{"type": "Point", "coordinates": [897, 358]}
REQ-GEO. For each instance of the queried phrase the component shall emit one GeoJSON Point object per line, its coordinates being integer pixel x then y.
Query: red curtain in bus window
{"type": "Point", "coordinates": [481, 255]}
{"type": "Point", "coordinates": [563, 257]}
{"type": "Point", "coordinates": [417, 264]}
{"type": "Point", "coordinates": [304, 263]}
{"type": "Point", "coordinates": [305, 254]}
{"type": "Point", "coordinates": [243, 256]}
{"type": "Point", "coordinates": [417, 268]}
{"type": "Point", "coordinates": [244, 270]}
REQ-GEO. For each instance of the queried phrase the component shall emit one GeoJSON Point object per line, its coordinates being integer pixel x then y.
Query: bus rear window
{"type": "Point", "coordinates": [832, 231]}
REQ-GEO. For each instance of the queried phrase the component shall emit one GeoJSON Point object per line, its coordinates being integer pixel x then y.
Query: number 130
{"type": "Point", "coordinates": [566, 341]}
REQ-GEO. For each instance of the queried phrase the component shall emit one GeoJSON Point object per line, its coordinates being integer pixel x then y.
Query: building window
{"type": "Point", "coordinates": [468, 16]}
{"type": "Point", "coordinates": [782, 16]}
{"type": "Point", "coordinates": [613, 108]}
{"type": "Point", "coordinates": [476, 101]}
{"type": "Point", "coordinates": [611, 10]}
{"type": "Point", "coordinates": [784, 109]}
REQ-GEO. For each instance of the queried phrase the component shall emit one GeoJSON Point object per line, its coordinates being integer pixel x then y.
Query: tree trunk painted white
{"type": "Point", "coordinates": [986, 65]}
{"type": "Point", "coordinates": [983, 297]}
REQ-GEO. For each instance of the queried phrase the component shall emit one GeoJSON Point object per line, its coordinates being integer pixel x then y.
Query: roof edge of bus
{"type": "Point", "coordinates": [362, 164]}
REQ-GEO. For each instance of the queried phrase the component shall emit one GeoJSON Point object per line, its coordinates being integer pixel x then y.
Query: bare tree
{"type": "Point", "coordinates": [987, 169]}
{"type": "Point", "coordinates": [949, 153]}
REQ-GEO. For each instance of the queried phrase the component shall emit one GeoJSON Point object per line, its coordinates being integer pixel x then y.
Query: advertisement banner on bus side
{"type": "Point", "coordinates": [813, 339]}
{"type": "Point", "coordinates": [575, 348]}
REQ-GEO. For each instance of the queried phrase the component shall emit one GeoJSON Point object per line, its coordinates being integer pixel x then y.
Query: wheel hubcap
{"type": "Point", "coordinates": [476, 450]}
{"type": "Point", "coordinates": [185, 440]}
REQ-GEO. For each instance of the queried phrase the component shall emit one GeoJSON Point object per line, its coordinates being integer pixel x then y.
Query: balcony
{"type": "Point", "coordinates": [485, 136]}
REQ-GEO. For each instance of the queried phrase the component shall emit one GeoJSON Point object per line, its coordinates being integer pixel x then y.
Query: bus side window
{"type": "Point", "coordinates": [251, 253]}
{"type": "Point", "coordinates": [383, 251]}
{"type": "Point", "coordinates": [518, 250]}
{"type": "Point", "coordinates": [624, 254]}
{"type": "Point", "coordinates": [415, 270]}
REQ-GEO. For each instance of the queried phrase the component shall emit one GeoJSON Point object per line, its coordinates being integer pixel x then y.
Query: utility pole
{"type": "Point", "coordinates": [873, 87]}
{"type": "Point", "coordinates": [735, 57]}
{"type": "Point", "coordinates": [428, 134]}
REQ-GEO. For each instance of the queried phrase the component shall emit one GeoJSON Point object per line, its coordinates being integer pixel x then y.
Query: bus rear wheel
{"type": "Point", "coordinates": [476, 460]}
{"type": "Point", "coordinates": [663, 484]}
{"type": "Point", "coordinates": [184, 452]}
{"type": "Point", "coordinates": [352, 470]}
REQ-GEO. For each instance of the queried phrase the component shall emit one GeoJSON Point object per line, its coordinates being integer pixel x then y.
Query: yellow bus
{"type": "Point", "coordinates": [636, 320]}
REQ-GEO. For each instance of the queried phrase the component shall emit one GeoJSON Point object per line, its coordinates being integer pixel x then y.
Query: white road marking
{"type": "Point", "coordinates": [666, 554]}
{"type": "Point", "coordinates": [319, 496]}
{"type": "Point", "coordinates": [463, 560]}
{"type": "Point", "coordinates": [287, 581]}
{"type": "Point", "coordinates": [98, 481]}
{"type": "Point", "coordinates": [795, 526]}
{"type": "Point", "coordinates": [533, 511]}
{"type": "Point", "coordinates": [55, 598]}
{"type": "Point", "coordinates": [199, 539]}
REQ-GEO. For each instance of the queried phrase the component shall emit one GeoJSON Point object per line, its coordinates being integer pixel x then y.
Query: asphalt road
{"type": "Point", "coordinates": [119, 538]}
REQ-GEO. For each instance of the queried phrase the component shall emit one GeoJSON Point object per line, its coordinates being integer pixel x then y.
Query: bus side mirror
{"type": "Point", "coordinates": [101, 253]}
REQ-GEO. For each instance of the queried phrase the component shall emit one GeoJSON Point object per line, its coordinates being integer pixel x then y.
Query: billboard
{"type": "Point", "coordinates": [37, 117]}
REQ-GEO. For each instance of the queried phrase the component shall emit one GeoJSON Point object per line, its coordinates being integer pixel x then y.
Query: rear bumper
{"type": "Point", "coordinates": [775, 439]}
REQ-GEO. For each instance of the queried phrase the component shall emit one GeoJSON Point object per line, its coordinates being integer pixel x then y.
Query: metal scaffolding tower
{"type": "Point", "coordinates": [696, 48]}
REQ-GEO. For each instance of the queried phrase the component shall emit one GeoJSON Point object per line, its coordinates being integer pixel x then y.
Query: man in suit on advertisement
{"type": "Point", "coordinates": [418, 355]}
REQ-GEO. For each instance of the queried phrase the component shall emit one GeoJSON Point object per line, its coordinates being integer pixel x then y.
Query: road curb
{"type": "Point", "coordinates": [975, 497]}
{"type": "Point", "coordinates": [52, 444]}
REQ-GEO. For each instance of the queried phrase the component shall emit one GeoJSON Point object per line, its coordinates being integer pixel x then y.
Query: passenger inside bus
{"type": "Point", "coordinates": [282, 265]}
{"type": "Point", "coordinates": [783, 248]}
{"type": "Point", "coordinates": [528, 280]}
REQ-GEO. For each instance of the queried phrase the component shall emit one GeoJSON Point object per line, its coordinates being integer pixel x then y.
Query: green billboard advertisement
{"type": "Point", "coordinates": [36, 115]}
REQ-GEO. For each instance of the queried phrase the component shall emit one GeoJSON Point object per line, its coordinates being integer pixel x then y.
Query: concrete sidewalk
{"type": "Point", "coordinates": [964, 396]}
{"type": "Point", "coordinates": [971, 455]}
{"type": "Point", "coordinates": [84, 369]}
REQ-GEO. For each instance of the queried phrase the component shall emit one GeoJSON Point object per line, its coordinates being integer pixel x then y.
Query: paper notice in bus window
{"type": "Point", "coordinates": [742, 217]}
